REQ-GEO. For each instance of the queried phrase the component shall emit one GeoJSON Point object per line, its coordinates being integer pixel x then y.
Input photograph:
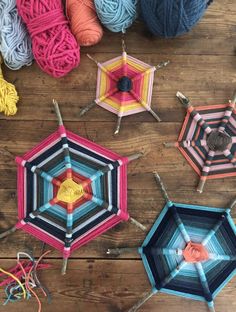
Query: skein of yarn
{"type": "Point", "coordinates": [15, 43]}
{"type": "Point", "coordinates": [116, 15]}
{"type": "Point", "coordinates": [171, 18]}
{"type": "Point", "coordinates": [84, 22]}
{"type": "Point", "coordinates": [8, 96]}
{"type": "Point", "coordinates": [54, 47]}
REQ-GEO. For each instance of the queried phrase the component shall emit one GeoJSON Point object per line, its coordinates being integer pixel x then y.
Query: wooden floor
{"type": "Point", "coordinates": [203, 66]}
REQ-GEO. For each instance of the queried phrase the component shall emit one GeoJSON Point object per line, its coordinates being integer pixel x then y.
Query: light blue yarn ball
{"type": "Point", "coordinates": [15, 42]}
{"type": "Point", "coordinates": [116, 15]}
{"type": "Point", "coordinates": [171, 18]}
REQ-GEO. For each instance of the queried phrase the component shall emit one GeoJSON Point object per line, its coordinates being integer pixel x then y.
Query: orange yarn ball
{"type": "Point", "coordinates": [84, 21]}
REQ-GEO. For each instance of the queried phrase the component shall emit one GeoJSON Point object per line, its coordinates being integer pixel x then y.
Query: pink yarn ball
{"type": "Point", "coordinates": [54, 47]}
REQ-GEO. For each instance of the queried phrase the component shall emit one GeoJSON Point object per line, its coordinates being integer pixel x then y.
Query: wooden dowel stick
{"type": "Point", "coordinates": [162, 64]}
{"type": "Point", "coordinates": [137, 224]}
{"type": "Point", "coordinates": [87, 108]}
{"type": "Point", "coordinates": [169, 144]}
{"type": "Point", "coordinates": [163, 189]}
{"type": "Point", "coordinates": [123, 45]}
{"type": "Point", "coordinates": [64, 266]}
{"type": "Point", "coordinates": [5, 151]}
{"type": "Point", "coordinates": [211, 309]}
{"type": "Point", "coordinates": [234, 98]}
{"type": "Point", "coordinates": [135, 156]}
{"type": "Point", "coordinates": [155, 115]}
{"type": "Point", "coordinates": [201, 185]}
{"type": "Point", "coordinates": [92, 59]}
{"type": "Point", "coordinates": [119, 251]}
{"type": "Point", "coordinates": [233, 204]}
{"type": "Point", "coordinates": [8, 232]}
{"type": "Point", "coordinates": [183, 99]}
{"type": "Point", "coordinates": [58, 113]}
{"type": "Point", "coordinates": [145, 298]}
{"type": "Point", "coordinates": [118, 125]}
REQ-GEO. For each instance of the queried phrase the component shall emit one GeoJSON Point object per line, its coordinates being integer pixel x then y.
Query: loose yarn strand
{"type": "Point", "coordinates": [15, 42]}
{"type": "Point", "coordinates": [8, 96]}
{"type": "Point", "coordinates": [16, 279]}
{"type": "Point", "coordinates": [21, 279]}
{"type": "Point", "coordinates": [28, 277]}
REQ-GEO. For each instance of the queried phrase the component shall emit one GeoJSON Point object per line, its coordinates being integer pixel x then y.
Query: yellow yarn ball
{"type": "Point", "coordinates": [8, 96]}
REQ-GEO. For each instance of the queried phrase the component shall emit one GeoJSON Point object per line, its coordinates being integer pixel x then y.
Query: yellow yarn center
{"type": "Point", "coordinates": [70, 191]}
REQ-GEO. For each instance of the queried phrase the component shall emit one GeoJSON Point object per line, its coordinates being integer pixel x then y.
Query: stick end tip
{"type": "Point", "coordinates": [156, 174]}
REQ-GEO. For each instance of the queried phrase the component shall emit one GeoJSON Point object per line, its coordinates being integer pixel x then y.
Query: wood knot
{"type": "Point", "coordinates": [218, 141]}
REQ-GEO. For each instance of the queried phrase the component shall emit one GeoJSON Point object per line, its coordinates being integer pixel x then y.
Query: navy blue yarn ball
{"type": "Point", "coordinates": [171, 18]}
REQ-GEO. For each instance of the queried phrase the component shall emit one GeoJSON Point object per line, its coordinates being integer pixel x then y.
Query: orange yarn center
{"type": "Point", "coordinates": [195, 253]}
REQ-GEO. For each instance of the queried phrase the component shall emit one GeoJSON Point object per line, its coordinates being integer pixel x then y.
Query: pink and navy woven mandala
{"type": "Point", "coordinates": [70, 190]}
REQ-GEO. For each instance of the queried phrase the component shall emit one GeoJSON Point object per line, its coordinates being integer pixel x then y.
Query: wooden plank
{"type": "Point", "coordinates": [205, 79]}
{"type": "Point", "coordinates": [121, 284]}
{"type": "Point", "coordinates": [203, 67]}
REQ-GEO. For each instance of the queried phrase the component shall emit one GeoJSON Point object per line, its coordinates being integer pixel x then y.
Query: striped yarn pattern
{"type": "Point", "coordinates": [164, 247]}
{"type": "Point", "coordinates": [101, 205]}
{"type": "Point", "coordinates": [193, 140]}
{"type": "Point", "coordinates": [123, 103]}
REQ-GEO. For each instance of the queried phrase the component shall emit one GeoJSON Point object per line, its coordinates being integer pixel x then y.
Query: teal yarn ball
{"type": "Point", "coordinates": [116, 15]}
{"type": "Point", "coordinates": [171, 18]}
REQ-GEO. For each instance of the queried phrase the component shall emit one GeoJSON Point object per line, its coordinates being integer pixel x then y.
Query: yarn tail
{"type": "Point", "coordinates": [8, 96]}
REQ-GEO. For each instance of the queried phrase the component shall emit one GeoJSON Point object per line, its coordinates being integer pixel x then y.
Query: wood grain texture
{"type": "Point", "coordinates": [110, 286]}
{"type": "Point", "coordinates": [203, 66]}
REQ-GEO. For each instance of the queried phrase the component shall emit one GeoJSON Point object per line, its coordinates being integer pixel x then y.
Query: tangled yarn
{"type": "Point", "coordinates": [21, 280]}
{"type": "Point", "coordinates": [15, 43]}
{"type": "Point", "coordinates": [116, 15]}
{"type": "Point", "coordinates": [54, 47]}
{"type": "Point", "coordinates": [8, 96]}
{"type": "Point", "coordinates": [84, 21]}
{"type": "Point", "coordinates": [171, 18]}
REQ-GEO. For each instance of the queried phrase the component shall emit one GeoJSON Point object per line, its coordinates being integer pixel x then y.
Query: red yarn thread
{"type": "Point", "coordinates": [54, 47]}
